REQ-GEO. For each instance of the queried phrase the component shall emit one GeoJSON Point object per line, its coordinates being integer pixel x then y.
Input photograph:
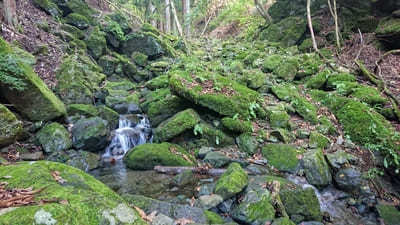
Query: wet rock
{"type": "Point", "coordinates": [54, 137]}
{"type": "Point", "coordinates": [217, 159]}
{"type": "Point", "coordinates": [85, 110]}
{"type": "Point", "coordinates": [174, 211]}
{"type": "Point", "coordinates": [31, 156]}
{"type": "Point", "coordinates": [226, 206]}
{"type": "Point", "coordinates": [179, 123]}
{"type": "Point", "coordinates": [210, 201]}
{"type": "Point", "coordinates": [162, 219]}
{"type": "Point", "coordinates": [348, 179]}
{"type": "Point", "coordinates": [247, 143]}
{"type": "Point", "coordinates": [146, 156]}
{"type": "Point", "coordinates": [185, 178]}
{"type": "Point", "coordinates": [257, 169]}
{"type": "Point", "coordinates": [311, 223]}
{"type": "Point", "coordinates": [318, 140]}
{"type": "Point", "coordinates": [316, 168]}
{"type": "Point", "coordinates": [233, 181]}
{"type": "Point", "coordinates": [90, 134]}
{"type": "Point", "coordinates": [204, 151]}
{"type": "Point", "coordinates": [340, 158]}
{"type": "Point", "coordinates": [282, 157]}
{"type": "Point", "coordinates": [10, 126]}
{"type": "Point", "coordinates": [109, 115]}
{"type": "Point", "coordinates": [123, 101]}
{"type": "Point", "coordinates": [77, 188]}
{"type": "Point", "coordinates": [85, 161]}
{"type": "Point", "coordinates": [207, 189]}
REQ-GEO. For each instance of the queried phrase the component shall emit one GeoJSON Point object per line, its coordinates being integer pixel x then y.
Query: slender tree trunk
{"type": "Point", "coordinates": [336, 24]}
{"type": "Point", "coordinates": [310, 26]}
{"type": "Point", "coordinates": [178, 24]}
{"type": "Point", "coordinates": [167, 16]}
{"type": "Point", "coordinates": [10, 12]}
{"type": "Point", "coordinates": [186, 15]}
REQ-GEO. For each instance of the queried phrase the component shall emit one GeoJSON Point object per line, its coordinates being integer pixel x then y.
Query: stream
{"type": "Point", "coordinates": [135, 130]}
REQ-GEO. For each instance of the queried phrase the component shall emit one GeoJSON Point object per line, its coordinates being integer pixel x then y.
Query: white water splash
{"type": "Point", "coordinates": [128, 135]}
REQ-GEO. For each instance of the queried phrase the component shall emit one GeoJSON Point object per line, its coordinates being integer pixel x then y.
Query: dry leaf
{"type": "Point", "coordinates": [183, 221]}
{"type": "Point", "coordinates": [57, 177]}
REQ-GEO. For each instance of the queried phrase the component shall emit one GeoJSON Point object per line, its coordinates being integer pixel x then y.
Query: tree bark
{"type": "Point", "coordinates": [186, 15]}
{"type": "Point", "coordinates": [10, 12]}
{"type": "Point", "coordinates": [178, 24]}
{"type": "Point", "coordinates": [167, 16]}
{"type": "Point", "coordinates": [310, 26]}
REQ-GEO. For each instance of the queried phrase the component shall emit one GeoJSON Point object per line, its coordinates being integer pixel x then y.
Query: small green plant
{"type": "Point", "coordinates": [217, 141]}
{"type": "Point", "coordinates": [11, 72]}
{"type": "Point", "coordinates": [373, 173]}
{"type": "Point", "coordinates": [253, 108]}
{"type": "Point", "coordinates": [197, 129]}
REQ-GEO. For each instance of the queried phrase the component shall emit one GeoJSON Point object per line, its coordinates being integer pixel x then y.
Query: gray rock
{"type": "Point", "coordinates": [207, 189]}
{"type": "Point", "coordinates": [348, 179]}
{"type": "Point", "coordinates": [185, 178]}
{"type": "Point", "coordinates": [247, 143]}
{"type": "Point", "coordinates": [54, 137]}
{"type": "Point", "coordinates": [204, 151]}
{"type": "Point", "coordinates": [339, 158]}
{"type": "Point", "coordinates": [311, 223]}
{"type": "Point", "coordinates": [143, 43]}
{"type": "Point", "coordinates": [316, 168]}
{"type": "Point", "coordinates": [210, 201]}
{"type": "Point", "coordinates": [162, 219]}
{"type": "Point", "coordinates": [217, 159]}
{"type": "Point", "coordinates": [90, 134]}
{"type": "Point", "coordinates": [226, 206]}
{"type": "Point", "coordinates": [32, 156]}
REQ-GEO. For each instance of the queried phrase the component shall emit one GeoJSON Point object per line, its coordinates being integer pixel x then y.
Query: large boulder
{"type": "Point", "coordinates": [33, 99]}
{"type": "Point", "coordinates": [79, 198]}
{"type": "Point", "coordinates": [316, 168]}
{"type": "Point", "coordinates": [146, 156]}
{"type": "Point", "coordinates": [144, 43]}
{"type": "Point", "coordinates": [90, 134]}
{"type": "Point", "coordinates": [10, 126]}
{"type": "Point", "coordinates": [96, 43]}
{"type": "Point", "coordinates": [54, 137]}
{"type": "Point", "coordinates": [215, 92]}
{"type": "Point", "coordinates": [179, 123]}
{"type": "Point", "coordinates": [232, 182]}
{"type": "Point", "coordinates": [281, 156]}
{"type": "Point", "coordinates": [288, 32]}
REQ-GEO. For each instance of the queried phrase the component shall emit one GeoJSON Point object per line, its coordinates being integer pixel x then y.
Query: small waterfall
{"type": "Point", "coordinates": [132, 130]}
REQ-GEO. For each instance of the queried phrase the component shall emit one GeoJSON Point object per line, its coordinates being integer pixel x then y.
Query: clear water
{"type": "Point", "coordinates": [133, 130]}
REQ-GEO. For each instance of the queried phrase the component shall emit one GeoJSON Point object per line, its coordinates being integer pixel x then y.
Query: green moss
{"type": "Point", "coordinates": [318, 140]}
{"type": "Point", "coordinates": [316, 168]}
{"type": "Point", "coordinates": [278, 118]}
{"type": "Point", "coordinates": [82, 110]}
{"type": "Point", "coordinates": [158, 82]}
{"type": "Point", "coordinates": [388, 27]}
{"type": "Point", "coordinates": [77, 20]}
{"type": "Point", "coordinates": [108, 115]}
{"type": "Point", "coordinates": [283, 221]}
{"type": "Point", "coordinates": [77, 33]}
{"type": "Point", "coordinates": [47, 106]}
{"type": "Point", "coordinates": [225, 97]}
{"type": "Point", "coordinates": [318, 81]}
{"type": "Point", "coordinates": [54, 137]}
{"type": "Point", "coordinates": [287, 32]}
{"type": "Point", "coordinates": [338, 77]}
{"type": "Point", "coordinates": [233, 181]}
{"type": "Point", "coordinates": [271, 62]}
{"type": "Point", "coordinates": [179, 123]}
{"type": "Point", "coordinates": [389, 214]}
{"type": "Point", "coordinates": [108, 63]}
{"type": "Point", "coordinates": [285, 92]}
{"type": "Point", "coordinates": [301, 204]}
{"type": "Point", "coordinates": [237, 125]}
{"type": "Point", "coordinates": [90, 134]}
{"type": "Point", "coordinates": [287, 69]}
{"type": "Point", "coordinates": [10, 126]}
{"type": "Point", "coordinates": [123, 85]}
{"type": "Point", "coordinates": [213, 218]}
{"type": "Point", "coordinates": [48, 6]}
{"type": "Point", "coordinates": [369, 95]}
{"type": "Point", "coordinates": [96, 43]}
{"type": "Point", "coordinates": [282, 157]}
{"type": "Point", "coordinates": [247, 143]}
{"type": "Point", "coordinates": [88, 200]}
{"type": "Point", "coordinates": [255, 78]}
{"type": "Point", "coordinates": [146, 156]}
{"type": "Point", "coordinates": [214, 136]}
{"type": "Point", "coordinates": [309, 64]}
{"type": "Point", "coordinates": [305, 109]}
{"type": "Point", "coordinates": [346, 87]}
{"type": "Point", "coordinates": [261, 210]}
{"type": "Point", "coordinates": [326, 126]}
{"type": "Point", "coordinates": [139, 58]}
{"type": "Point", "coordinates": [82, 8]}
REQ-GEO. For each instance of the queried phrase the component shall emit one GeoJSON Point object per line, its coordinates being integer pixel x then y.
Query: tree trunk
{"type": "Point", "coordinates": [186, 16]}
{"type": "Point", "coordinates": [178, 24]}
{"type": "Point", "coordinates": [167, 16]}
{"type": "Point", "coordinates": [310, 26]}
{"type": "Point", "coordinates": [10, 12]}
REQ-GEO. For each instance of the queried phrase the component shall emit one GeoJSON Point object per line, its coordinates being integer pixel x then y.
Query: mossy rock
{"type": "Point", "coordinates": [283, 221]}
{"type": "Point", "coordinates": [143, 43]}
{"type": "Point", "coordinates": [88, 201]}
{"type": "Point", "coordinates": [237, 125]}
{"type": "Point", "coordinates": [318, 81]}
{"type": "Point", "coordinates": [389, 29]}
{"type": "Point", "coordinates": [232, 182]}
{"type": "Point", "coordinates": [96, 43]}
{"type": "Point", "coordinates": [10, 126]}
{"type": "Point", "coordinates": [46, 105]}
{"type": "Point", "coordinates": [316, 168]}
{"type": "Point", "coordinates": [285, 92]}
{"type": "Point", "coordinates": [278, 118]}
{"type": "Point", "coordinates": [305, 109]}
{"type": "Point", "coordinates": [214, 136]}
{"type": "Point", "coordinates": [318, 140]}
{"type": "Point", "coordinates": [49, 7]}
{"type": "Point", "coordinates": [287, 69]}
{"type": "Point", "coordinates": [82, 110]}
{"type": "Point", "coordinates": [271, 62]}
{"type": "Point", "coordinates": [77, 33]}
{"type": "Point", "coordinates": [282, 156]}
{"type": "Point", "coordinates": [339, 77]}
{"type": "Point", "coordinates": [77, 20]}
{"type": "Point", "coordinates": [123, 85]}
{"type": "Point", "coordinates": [139, 58]}
{"type": "Point", "coordinates": [109, 115]}
{"type": "Point", "coordinates": [301, 204]}
{"type": "Point", "coordinates": [176, 125]}
{"type": "Point", "coordinates": [256, 208]}
{"type": "Point", "coordinates": [326, 126]}
{"type": "Point", "coordinates": [54, 137]}
{"type": "Point", "coordinates": [287, 32]}
{"type": "Point", "coordinates": [309, 64]}
{"type": "Point", "coordinates": [78, 78]}
{"type": "Point", "coordinates": [213, 218]}
{"type": "Point", "coordinates": [158, 82]}
{"type": "Point", "coordinates": [90, 134]}
{"type": "Point", "coordinates": [77, 6]}
{"type": "Point", "coordinates": [369, 95]}
{"type": "Point", "coordinates": [146, 156]}
{"type": "Point", "coordinates": [247, 143]}
{"type": "Point", "coordinates": [390, 214]}
{"type": "Point", "coordinates": [108, 63]}
{"type": "Point", "coordinates": [255, 79]}
{"type": "Point", "coordinates": [225, 97]}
